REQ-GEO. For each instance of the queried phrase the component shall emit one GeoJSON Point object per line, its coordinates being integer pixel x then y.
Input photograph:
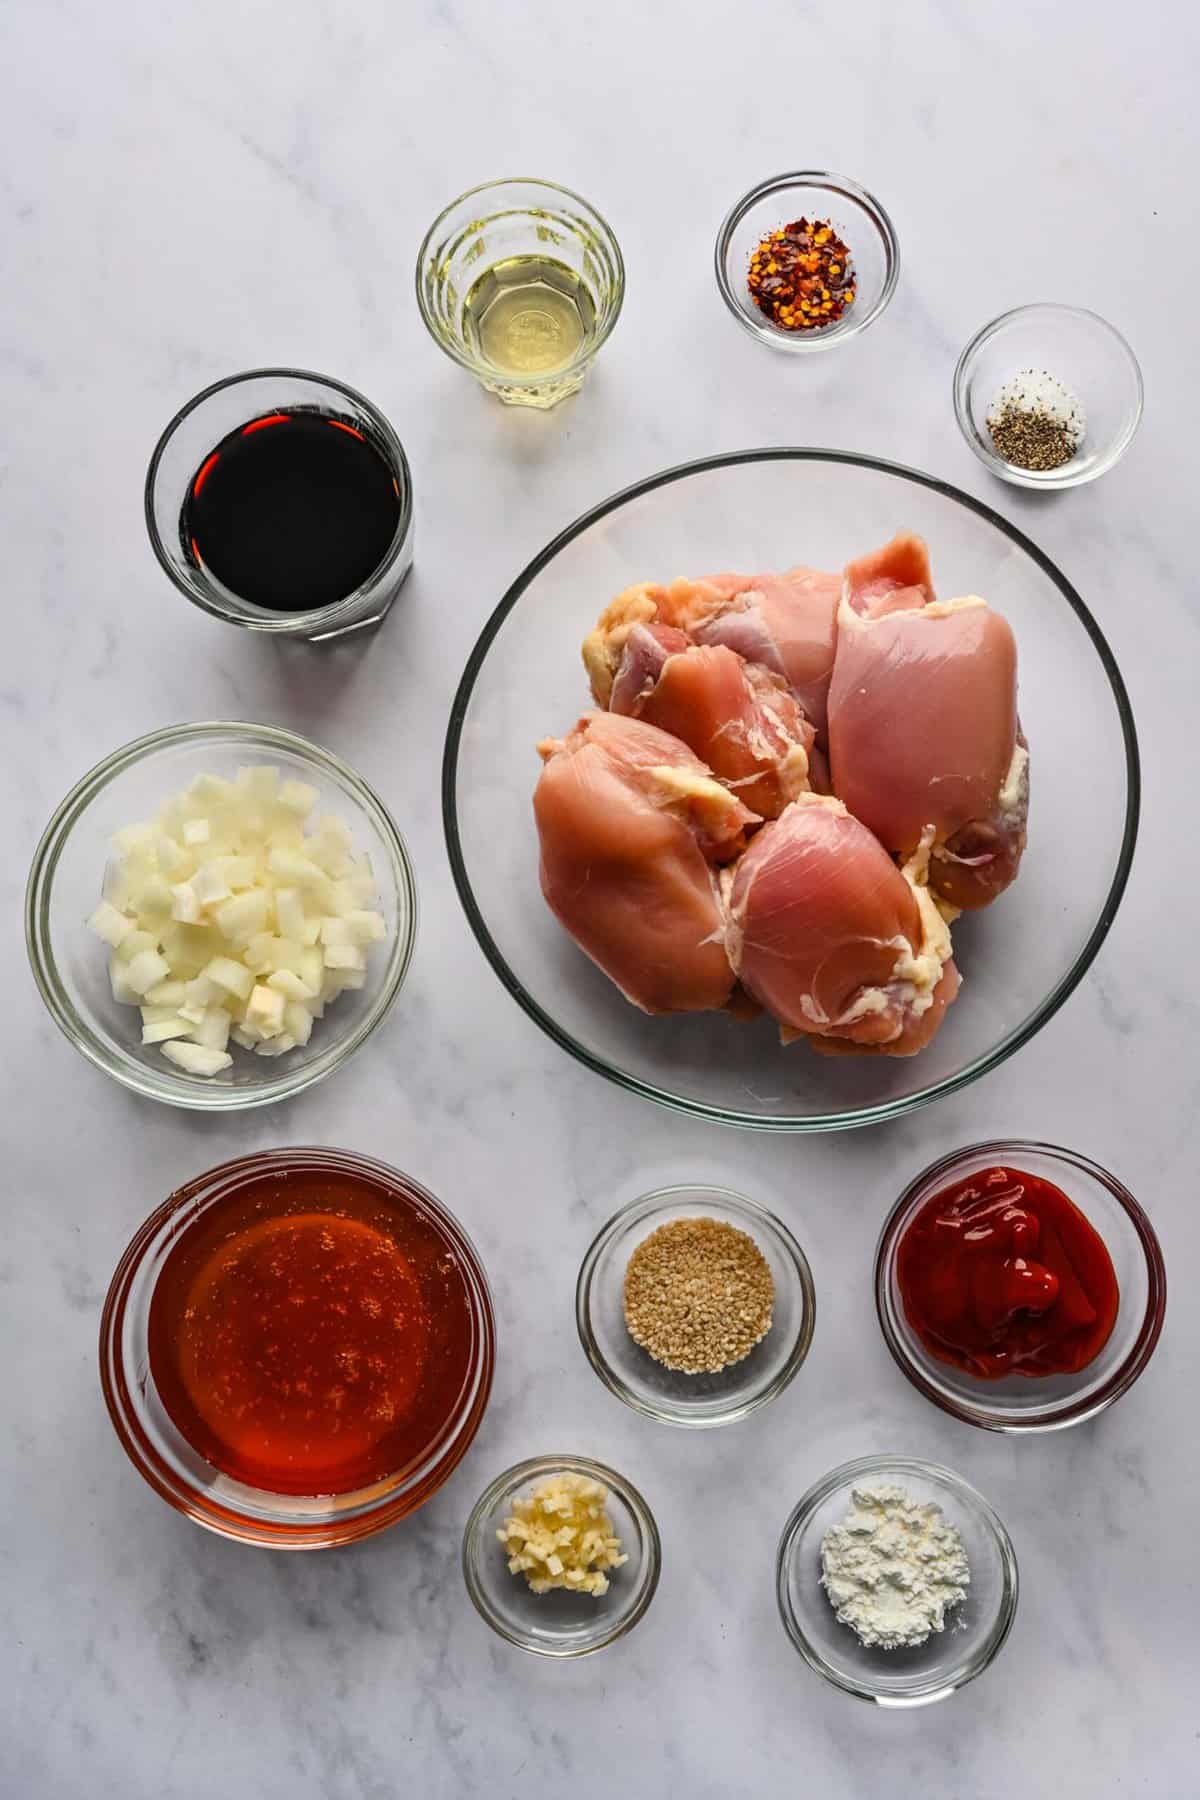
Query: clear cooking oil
{"type": "Point", "coordinates": [528, 318]}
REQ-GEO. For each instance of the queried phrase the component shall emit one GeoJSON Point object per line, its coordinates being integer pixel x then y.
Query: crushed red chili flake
{"type": "Point", "coordinates": [802, 276]}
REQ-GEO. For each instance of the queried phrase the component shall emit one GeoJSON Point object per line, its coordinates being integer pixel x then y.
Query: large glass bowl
{"type": "Point", "coordinates": [70, 964]}
{"type": "Point", "coordinates": [763, 509]}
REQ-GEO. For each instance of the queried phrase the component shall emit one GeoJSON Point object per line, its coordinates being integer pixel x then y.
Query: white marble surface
{"type": "Point", "coordinates": [195, 188]}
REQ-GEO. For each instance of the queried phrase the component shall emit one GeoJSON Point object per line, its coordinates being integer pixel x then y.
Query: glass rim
{"type": "Point", "coordinates": [365, 1511]}
{"type": "Point", "coordinates": [939, 1475]}
{"type": "Point", "coordinates": [1047, 481]}
{"type": "Point", "coordinates": [829, 1121]}
{"type": "Point", "coordinates": [509, 1481]}
{"type": "Point", "coordinates": [1049, 1418]}
{"type": "Point", "coordinates": [166, 1086]}
{"type": "Point", "coordinates": [753, 1213]}
{"type": "Point", "coordinates": [586, 356]}
{"type": "Point", "coordinates": [852, 322]}
{"type": "Point", "coordinates": [264, 618]}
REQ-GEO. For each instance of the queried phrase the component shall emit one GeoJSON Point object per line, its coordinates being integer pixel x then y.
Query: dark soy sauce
{"type": "Point", "coordinates": [292, 511]}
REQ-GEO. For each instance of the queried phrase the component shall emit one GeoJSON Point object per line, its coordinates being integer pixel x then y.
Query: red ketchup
{"type": "Point", "coordinates": [1001, 1274]}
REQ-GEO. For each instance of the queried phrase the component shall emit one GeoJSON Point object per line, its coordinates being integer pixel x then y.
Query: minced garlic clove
{"type": "Point", "coordinates": [586, 1537]}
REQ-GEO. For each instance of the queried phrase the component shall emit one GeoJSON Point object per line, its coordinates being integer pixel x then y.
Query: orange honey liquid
{"type": "Point", "coordinates": [310, 1333]}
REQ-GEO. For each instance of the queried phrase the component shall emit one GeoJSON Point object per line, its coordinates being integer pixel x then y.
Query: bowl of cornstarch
{"type": "Point", "coordinates": [896, 1580]}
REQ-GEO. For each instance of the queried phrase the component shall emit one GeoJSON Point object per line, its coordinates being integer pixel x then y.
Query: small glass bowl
{"type": "Point", "coordinates": [671, 1395]}
{"type": "Point", "coordinates": [856, 216]}
{"type": "Point", "coordinates": [1021, 1403]}
{"type": "Point", "coordinates": [1081, 350]}
{"type": "Point", "coordinates": [975, 1630]}
{"type": "Point", "coordinates": [200, 426]}
{"type": "Point", "coordinates": [70, 964]}
{"type": "Point", "coordinates": [164, 1457]}
{"type": "Point", "coordinates": [560, 1623]}
{"type": "Point", "coordinates": [491, 224]}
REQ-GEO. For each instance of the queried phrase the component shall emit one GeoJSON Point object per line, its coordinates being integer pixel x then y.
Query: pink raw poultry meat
{"type": "Point", "coordinates": [923, 729]}
{"type": "Point", "coordinates": [895, 578]}
{"type": "Point", "coordinates": [833, 938]}
{"type": "Point", "coordinates": [631, 824]}
{"type": "Point", "coordinates": [739, 717]}
{"type": "Point", "coordinates": [785, 623]}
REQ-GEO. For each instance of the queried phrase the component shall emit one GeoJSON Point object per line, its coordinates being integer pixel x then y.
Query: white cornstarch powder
{"type": "Point", "coordinates": [893, 1567]}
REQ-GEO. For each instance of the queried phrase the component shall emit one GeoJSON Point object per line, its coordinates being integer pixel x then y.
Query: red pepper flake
{"type": "Point", "coordinates": [802, 276]}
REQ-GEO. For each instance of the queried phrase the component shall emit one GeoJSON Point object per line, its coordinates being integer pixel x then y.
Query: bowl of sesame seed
{"type": "Point", "coordinates": [695, 1306]}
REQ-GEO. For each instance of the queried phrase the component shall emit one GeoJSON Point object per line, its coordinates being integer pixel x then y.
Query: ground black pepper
{"type": "Point", "coordinates": [1035, 422]}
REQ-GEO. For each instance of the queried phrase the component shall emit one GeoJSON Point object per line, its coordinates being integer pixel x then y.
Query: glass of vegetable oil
{"type": "Point", "coordinates": [521, 282]}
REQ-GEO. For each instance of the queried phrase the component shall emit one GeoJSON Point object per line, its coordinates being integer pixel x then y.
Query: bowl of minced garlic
{"type": "Point", "coordinates": [695, 1305]}
{"type": "Point", "coordinates": [561, 1555]}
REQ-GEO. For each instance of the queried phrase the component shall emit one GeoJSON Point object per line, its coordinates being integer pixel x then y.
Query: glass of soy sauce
{"type": "Point", "coordinates": [281, 500]}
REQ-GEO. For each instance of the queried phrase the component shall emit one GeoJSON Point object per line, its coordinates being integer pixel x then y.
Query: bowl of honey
{"type": "Point", "coordinates": [297, 1348]}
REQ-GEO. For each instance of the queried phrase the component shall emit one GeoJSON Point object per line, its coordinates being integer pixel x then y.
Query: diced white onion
{"type": "Point", "coordinates": [195, 1059]}
{"type": "Point", "coordinates": [234, 977]}
{"type": "Point", "coordinates": [162, 1029]}
{"type": "Point", "coordinates": [109, 924]}
{"type": "Point", "coordinates": [344, 956]}
{"type": "Point", "coordinates": [168, 993]}
{"type": "Point", "coordinates": [264, 1011]}
{"type": "Point", "coordinates": [145, 969]}
{"type": "Point", "coordinates": [236, 916]}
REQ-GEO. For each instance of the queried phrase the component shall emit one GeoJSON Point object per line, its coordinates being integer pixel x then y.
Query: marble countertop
{"type": "Point", "coordinates": [194, 189]}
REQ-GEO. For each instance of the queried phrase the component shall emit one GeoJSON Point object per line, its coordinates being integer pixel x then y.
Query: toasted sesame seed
{"type": "Point", "coordinates": [699, 1295]}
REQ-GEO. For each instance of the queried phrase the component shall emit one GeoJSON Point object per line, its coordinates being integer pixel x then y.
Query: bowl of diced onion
{"type": "Point", "coordinates": [219, 914]}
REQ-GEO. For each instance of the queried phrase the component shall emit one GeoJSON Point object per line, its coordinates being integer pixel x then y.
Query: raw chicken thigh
{"type": "Point", "coordinates": [739, 717]}
{"type": "Point", "coordinates": [923, 729]}
{"type": "Point", "coordinates": [784, 623]}
{"type": "Point", "coordinates": [690, 842]}
{"type": "Point", "coordinates": [834, 939]}
{"type": "Point", "coordinates": [895, 578]}
{"type": "Point", "coordinates": [631, 825]}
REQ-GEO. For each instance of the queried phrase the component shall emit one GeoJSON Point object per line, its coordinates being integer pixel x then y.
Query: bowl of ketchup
{"type": "Point", "coordinates": [1019, 1286]}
